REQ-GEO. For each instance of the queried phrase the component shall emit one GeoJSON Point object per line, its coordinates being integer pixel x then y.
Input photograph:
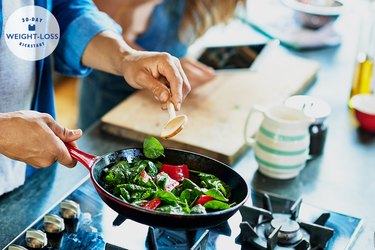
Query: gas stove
{"type": "Point", "coordinates": [83, 221]}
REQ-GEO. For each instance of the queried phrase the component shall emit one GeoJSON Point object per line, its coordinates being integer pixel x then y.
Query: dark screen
{"type": "Point", "coordinates": [231, 57]}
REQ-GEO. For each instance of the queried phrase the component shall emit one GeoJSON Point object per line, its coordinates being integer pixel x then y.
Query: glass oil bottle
{"type": "Point", "coordinates": [364, 70]}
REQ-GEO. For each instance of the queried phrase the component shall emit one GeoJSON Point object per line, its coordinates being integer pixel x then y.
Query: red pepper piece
{"type": "Point", "coordinates": [152, 204]}
{"type": "Point", "coordinates": [176, 172]}
{"type": "Point", "coordinates": [145, 176]}
{"type": "Point", "coordinates": [203, 199]}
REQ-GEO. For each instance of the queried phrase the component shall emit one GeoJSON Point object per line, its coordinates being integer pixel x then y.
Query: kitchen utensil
{"type": "Point", "coordinates": [281, 144]}
{"type": "Point", "coordinates": [319, 110]}
{"type": "Point", "coordinates": [95, 164]}
{"type": "Point", "coordinates": [364, 109]}
{"type": "Point", "coordinates": [175, 123]}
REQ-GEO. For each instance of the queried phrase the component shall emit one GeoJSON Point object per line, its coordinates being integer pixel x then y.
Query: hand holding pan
{"type": "Point", "coordinates": [95, 164]}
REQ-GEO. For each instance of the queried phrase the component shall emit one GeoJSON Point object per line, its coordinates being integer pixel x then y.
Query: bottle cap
{"type": "Point", "coordinates": [16, 247]}
{"type": "Point", "coordinates": [53, 223]}
{"type": "Point", "coordinates": [69, 209]}
{"type": "Point", "coordinates": [36, 238]}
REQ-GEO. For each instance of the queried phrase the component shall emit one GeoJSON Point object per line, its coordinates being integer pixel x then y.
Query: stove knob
{"type": "Point", "coordinates": [36, 239]}
{"type": "Point", "coordinates": [16, 247]}
{"type": "Point", "coordinates": [70, 209]}
{"type": "Point", "coordinates": [53, 223]}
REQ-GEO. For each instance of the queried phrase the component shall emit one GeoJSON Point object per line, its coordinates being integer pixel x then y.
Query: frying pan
{"type": "Point", "coordinates": [95, 164]}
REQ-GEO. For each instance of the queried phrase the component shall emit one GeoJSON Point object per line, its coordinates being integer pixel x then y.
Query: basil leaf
{"type": "Point", "coordinates": [152, 148]}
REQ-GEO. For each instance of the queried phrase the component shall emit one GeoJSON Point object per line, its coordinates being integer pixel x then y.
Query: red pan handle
{"type": "Point", "coordinates": [85, 158]}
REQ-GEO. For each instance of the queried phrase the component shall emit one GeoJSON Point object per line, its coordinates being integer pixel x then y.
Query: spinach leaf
{"type": "Point", "coordinates": [216, 205]}
{"type": "Point", "coordinates": [216, 194]}
{"type": "Point", "coordinates": [187, 183]}
{"type": "Point", "coordinates": [124, 194]}
{"type": "Point", "coordinates": [185, 207]}
{"type": "Point", "coordinates": [152, 148]}
{"type": "Point", "coordinates": [211, 181]}
{"type": "Point", "coordinates": [151, 168]}
{"type": "Point", "coordinates": [167, 197]}
{"type": "Point", "coordinates": [117, 174]}
{"type": "Point", "coordinates": [161, 180]}
{"type": "Point", "coordinates": [185, 195]}
{"type": "Point", "coordinates": [144, 180]}
{"type": "Point", "coordinates": [135, 192]}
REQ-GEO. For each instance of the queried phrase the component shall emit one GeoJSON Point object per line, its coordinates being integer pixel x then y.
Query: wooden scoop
{"type": "Point", "coordinates": [175, 123]}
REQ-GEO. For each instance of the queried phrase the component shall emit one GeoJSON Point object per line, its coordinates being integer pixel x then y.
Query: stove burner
{"type": "Point", "coordinates": [96, 227]}
{"type": "Point", "coordinates": [167, 238]}
{"type": "Point", "coordinates": [289, 230]}
{"type": "Point", "coordinates": [262, 229]}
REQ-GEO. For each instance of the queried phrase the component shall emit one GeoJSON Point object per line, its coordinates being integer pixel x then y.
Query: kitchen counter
{"type": "Point", "coordinates": [341, 180]}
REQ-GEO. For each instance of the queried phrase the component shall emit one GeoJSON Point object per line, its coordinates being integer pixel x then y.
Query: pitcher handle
{"type": "Point", "coordinates": [249, 140]}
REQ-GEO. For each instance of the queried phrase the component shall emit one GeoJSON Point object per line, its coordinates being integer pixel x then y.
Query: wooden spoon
{"type": "Point", "coordinates": [175, 123]}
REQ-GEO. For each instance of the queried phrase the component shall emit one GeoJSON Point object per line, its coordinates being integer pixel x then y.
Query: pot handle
{"type": "Point", "coordinates": [250, 141]}
{"type": "Point", "coordinates": [85, 158]}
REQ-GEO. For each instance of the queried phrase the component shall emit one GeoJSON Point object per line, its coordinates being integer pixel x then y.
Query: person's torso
{"type": "Point", "coordinates": [17, 76]}
{"type": "Point", "coordinates": [152, 24]}
{"type": "Point", "coordinates": [162, 33]}
{"type": "Point", "coordinates": [17, 85]}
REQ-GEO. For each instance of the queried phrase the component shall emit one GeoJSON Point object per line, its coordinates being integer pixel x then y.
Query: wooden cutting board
{"type": "Point", "coordinates": [217, 111]}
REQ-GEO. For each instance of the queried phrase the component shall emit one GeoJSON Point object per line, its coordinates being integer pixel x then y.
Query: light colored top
{"type": "Point", "coordinates": [17, 85]}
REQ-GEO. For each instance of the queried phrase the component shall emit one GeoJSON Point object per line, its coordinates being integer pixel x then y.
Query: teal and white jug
{"type": "Point", "coordinates": [281, 143]}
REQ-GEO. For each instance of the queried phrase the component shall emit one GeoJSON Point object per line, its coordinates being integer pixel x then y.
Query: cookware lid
{"type": "Point", "coordinates": [312, 106]}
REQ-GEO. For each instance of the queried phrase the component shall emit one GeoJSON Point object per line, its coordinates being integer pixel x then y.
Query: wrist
{"type": "Point", "coordinates": [4, 124]}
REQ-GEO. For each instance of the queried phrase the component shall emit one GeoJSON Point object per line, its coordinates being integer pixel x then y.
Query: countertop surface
{"type": "Point", "coordinates": [340, 180]}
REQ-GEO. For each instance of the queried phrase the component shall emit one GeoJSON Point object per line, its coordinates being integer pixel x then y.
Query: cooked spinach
{"type": "Point", "coordinates": [141, 183]}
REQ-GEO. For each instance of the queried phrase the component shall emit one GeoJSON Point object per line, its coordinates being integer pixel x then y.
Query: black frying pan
{"type": "Point", "coordinates": [172, 156]}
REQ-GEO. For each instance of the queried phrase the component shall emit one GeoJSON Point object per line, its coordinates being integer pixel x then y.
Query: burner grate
{"type": "Point", "coordinates": [264, 229]}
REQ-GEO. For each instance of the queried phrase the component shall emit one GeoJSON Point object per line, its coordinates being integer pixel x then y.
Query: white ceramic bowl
{"type": "Point", "coordinates": [314, 16]}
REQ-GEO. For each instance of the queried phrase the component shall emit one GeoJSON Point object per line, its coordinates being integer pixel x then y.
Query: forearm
{"type": "Point", "coordinates": [4, 118]}
{"type": "Point", "coordinates": [35, 138]}
{"type": "Point", "coordinates": [106, 52]}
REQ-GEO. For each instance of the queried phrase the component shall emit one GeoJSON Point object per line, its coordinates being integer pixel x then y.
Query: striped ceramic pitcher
{"type": "Point", "coordinates": [281, 143]}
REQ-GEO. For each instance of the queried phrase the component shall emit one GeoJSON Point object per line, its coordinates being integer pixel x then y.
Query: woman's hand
{"type": "Point", "coordinates": [197, 72]}
{"type": "Point", "coordinates": [160, 73]}
{"type": "Point", "coordinates": [36, 139]}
